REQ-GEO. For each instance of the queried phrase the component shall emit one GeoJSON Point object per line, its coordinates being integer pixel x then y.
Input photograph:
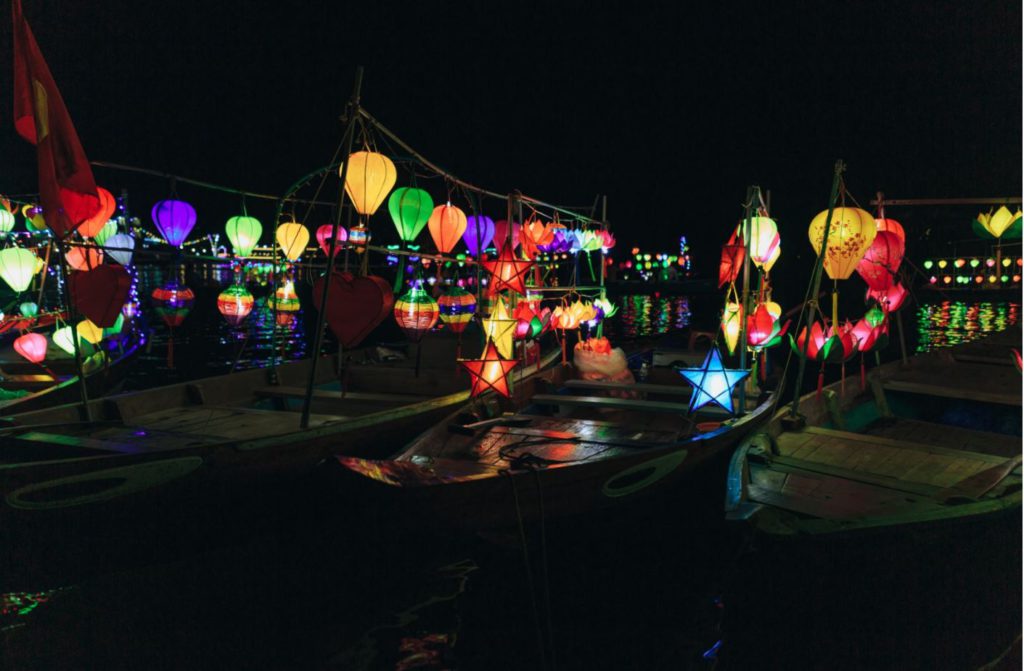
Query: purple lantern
{"type": "Point", "coordinates": [479, 233]}
{"type": "Point", "coordinates": [175, 219]}
{"type": "Point", "coordinates": [559, 243]}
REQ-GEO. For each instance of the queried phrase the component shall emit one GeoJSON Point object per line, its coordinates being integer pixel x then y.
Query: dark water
{"type": "Point", "coordinates": [663, 586]}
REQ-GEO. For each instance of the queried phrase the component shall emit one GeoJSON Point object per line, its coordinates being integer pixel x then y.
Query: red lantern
{"type": "Point", "coordinates": [100, 293]}
{"type": "Point", "coordinates": [489, 372]}
{"type": "Point", "coordinates": [733, 253]}
{"type": "Point", "coordinates": [94, 224]}
{"type": "Point", "coordinates": [32, 346]}
{"type": "Point", "coordinates": [323, 236]}
{"type": "Point", "coordinates": [891, 226]}
{"type": "Point", "coordinates": [890, 299]}
{"type": "Point", "coordinates": [882, 260]}
{"type": "Point", "coordinates": [84, 258]}
{"type": "Point", "coordinates": [507, 271]}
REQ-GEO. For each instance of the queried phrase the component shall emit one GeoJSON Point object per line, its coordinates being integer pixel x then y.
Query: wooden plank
{"type": "Point", "coordinates": [902, 444]}
{"type": "Point", "coordinates": [790, 465]}
{"type": "Point", "coordinates": [959, 393]}
{"type": "Point", "coordinates": [326, 394]}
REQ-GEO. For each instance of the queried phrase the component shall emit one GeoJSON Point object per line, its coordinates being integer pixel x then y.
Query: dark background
{"type": "Point", "coordinates": [670, 110]}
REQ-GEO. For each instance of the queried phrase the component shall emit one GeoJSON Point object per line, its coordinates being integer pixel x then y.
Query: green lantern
{"type": "Point", "coordinates": [17, 266]}
{"type": "Point", "coordinates": [243, 232]}
{"type": "Point", "coordinates": [116, 328]}
{"type": "Point", "coordinates": [410, 209]}
{"type": "Point", "coordinates": [108, 230]}
{"type": "Point", "coordinates": [28, 309]}
{"type": "Point", "coordinates": [6, 220]}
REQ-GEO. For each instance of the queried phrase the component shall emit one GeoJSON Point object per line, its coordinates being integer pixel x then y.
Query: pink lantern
{"type": "Point", "coordinates": [882, 260]}
{"type": "Point", "coordinates": [32, 346]}
{"type": "Point", "coordinates": [501, 232]}
{"type": "Point", "coordinates": [323, 236]}
{"type": "Point", "coordinates": [890, 299]}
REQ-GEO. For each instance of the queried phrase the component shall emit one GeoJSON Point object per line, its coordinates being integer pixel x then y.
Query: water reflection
{"type": "Point", "coordinates": [642, 315]}
{"type": "Point", "coordinates": [948, 323]}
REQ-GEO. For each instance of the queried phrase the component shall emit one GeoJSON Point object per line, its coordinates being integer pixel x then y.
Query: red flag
{"type": "Point", "coordinates": [66, 185]}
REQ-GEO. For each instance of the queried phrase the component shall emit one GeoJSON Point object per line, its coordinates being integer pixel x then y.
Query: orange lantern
{"type": "Point", "coordinates": [535, 233]}
{"type": "Point", "coordinates": [891, 226]}
{"type": "Point", "coordinates": [94, 224]}
{"type": "Point", "coordinates": [849, 237]}
{"type": "Point", "coordinates": [84, 258]}
{"type": "Point", "coordinates": [368, 180]}
{"type": "Point", "coordinates": [447, 223]}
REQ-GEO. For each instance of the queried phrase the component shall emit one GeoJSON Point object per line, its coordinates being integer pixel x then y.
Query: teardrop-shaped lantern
{"type": "Point", "coordinates": [416, 313]}
{"type": "Point", "coordinates": [323, 236]}
{"type": "Point", "coordinates": [91, 227]}
{"type": "Point", "coordinates": [368, 180]}
{"type": "Point", "coordinates": [64, 339]}
{"type": "Point", "coordinates": [882, 260]}
{"type": "Point", "coordinates": [892, 226]}
{"type": "Point", "coordinates": [479, 233]}
{"type": "Point", "coordinates": [6, 221]}
{"type": "Point", "coordinates": [502, 232]}
{"type": "Point", "coordinates": [244, 233]}
{"type": "Point", "coordinates": [32, 346]}
{"type": "Point", "coordinates": [447, 224]}
{"type": "Point", "coordinates": [293, 238]}
{"type": "Point", "coordinates": [764, 238]}
{"type": "Point", "coordinates": [850, 235]}
{"type": "Point", "coordinates": [410, 209]}
{"type": "Point", "coordinates": [17, 266]}
{"type": "Point", "coordinates": [732, 322]}
{"type": "Point", "coordinates": [175, 219]}
{"type": "Point", "coordinates": [84, 258]}
{"type": "Point", "coordinates": [235, 303]}
{"type": "Point", "coordinates": [457, 307]}
{"type": "Point", "coordinates": [109, 229]}
{"type": "Point", "coordinates": [120, 247]}
{"type": "Point", "coordinates": [34, 220]}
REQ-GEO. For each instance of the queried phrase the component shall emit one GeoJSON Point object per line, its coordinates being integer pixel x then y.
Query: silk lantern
{"type": "Point", "coordinates": [32, 346]}
{"type": "Point", "coordinates": [999, 224]}
{"type": "Point", "coordinates": [89, 332]}
{"type": "Point", "coordinates": [502, 233]}
{"type": "Point", "coordinates": [28, 309]}
{"type": "Point", "coordinates": [17, 266]}
{"type": "Point", "coordinates": [120, 247]}
{"type": "Point", "coordinates": [359, 237]}
{"type": "Point", "coordinates": [416, 313]}
{"type": "Point", "coordinates": [764, 239]}
{"type": "Point", "coordinates": [293, 238]}
{"type": "Point", "coordinates": [368, 180]}
{"type": "Point", "coordinates": [850, 235]}
{"type": "Point", "coordinates": [64, 339]}
{"type": "Point", "coordinates": [508, 271]}
{"type": "Point", "coordinates": [109, 229]}
{"type": "Point", "coordinates": [457, 307]}
{"type": "Point", "coordinates": [881, 261]}
{"type": "Point", "coordinates": [890, 299]}
{"type": "Point", "coordinates": [410, 209]}
{"type": "Point", "coordinates": [447, 223]}
{"type": "Point", "coordinates": [534, 234]}
{"type": "Point", "coordinates": [244, 233]}
{"type": "Point", "coordinates": [323, 237]}
{"type": "Point", "coordinates": [94, 224]}
{"type": "Point", "coordinates": [173, 301]}
{"type": "Point", "coordinates": [175, 219]}
{"type": "Point", "coordinates": [6, 220]}
{"type": "Point", "coordinates": [891, 226]}
{"type": "Point", "coordinates": [490, 372]}
{"type": "Point", "coordinates": [732, 322]}
{"type": "Point", "coordinates": [84, 258]}
{"type": "Point", "coordinates": [733, 253]}
{"type": "Point", "coordinates": [286, 303]}
{"type": "Point", "coordinates": [235, 303]}
{"type": "Point", "coordinates": [479, 233]}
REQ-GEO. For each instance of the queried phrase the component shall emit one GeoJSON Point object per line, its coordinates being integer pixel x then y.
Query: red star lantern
{"type": "Point", "coordinates": [508, 272]}
{"type": "Point", "coordinates": [490, 372]}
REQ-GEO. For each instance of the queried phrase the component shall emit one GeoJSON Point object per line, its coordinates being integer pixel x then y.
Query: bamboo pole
{"type": "Point", "coordinates": [83, 390]}
{"type": "Point", "coordinates": [745, 294]}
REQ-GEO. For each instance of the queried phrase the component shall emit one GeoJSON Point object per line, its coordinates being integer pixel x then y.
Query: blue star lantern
{"type": "Point", "coordinates": [712, 382]}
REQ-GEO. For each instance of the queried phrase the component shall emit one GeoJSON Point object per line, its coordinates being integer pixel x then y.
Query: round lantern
{"type": "Point", "coordinates": [28, 309]}
{"type": "Point", "coordinates": [457, 307]}
{"type": "Point", "coordinates": [410, 210]}
{"type": "Point", "coordinates": [91, 227]}
{"type": "Point", "coordinates": [882, 260]}
{"type": "Point", "coordinates": [359, 237]}
{"type": "Point", "coordinates": [6, 220]}
{"type": "Point", "coordinates": [479, 233]}
{"type": "Point", "coordinates": [323, 237]}
{"type": "Point", "coordinates": [850, 235]}
{"type": "Point", "coordinates": [447, 223]}
{"type": "Point", "coordinates": [416, 313]}
{"type": "Point", "coordinates": [89, 332]}
{"type": "Point", "coordinates": [293, 238]}
{"type": "Point", "coordinates": [84, 258]}
{"type": "Point", "coordinates": [175, 220]}
{"type": "Point", "coordinates": [891, 226]}
{"type": "Point", "coordinates": [235, 303]}
{"type": "Point", "coordinates": [109, 229]}
{"type": "Point", "coordinates": [501, 233]}
{"type": "Point", "coordinates": [17, 266]}
{"type": "Point", "coordinates": [244, 233]}
{"type": "Point", "coordinates": [173, 302]}
{"type": "Point", "coordinates": [32, 346]}
{"type": "Point", "coordinates": [368, 180]}
{"type": "Point", "coordinates": [120, 247]}
{"type": "Point", "coordinates": [286, 302]}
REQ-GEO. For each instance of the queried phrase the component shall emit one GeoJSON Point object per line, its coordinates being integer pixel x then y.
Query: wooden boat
{"type": "Point", "coordinates": [572, 446]}
{"type": "Point", "coordinates": [181, 467]}
{"type": "Point", "coordinates": [935, 443]}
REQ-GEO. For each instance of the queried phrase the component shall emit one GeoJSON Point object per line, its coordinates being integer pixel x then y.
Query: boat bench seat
{"type": "Point", "coordinates": [599, 402]}
{"type": "Point", "coordinates": [954, 392]}
{"type": "Point", "coordinates": [641, 387]}
{"type": "Point", "coordinates": [326, 394]}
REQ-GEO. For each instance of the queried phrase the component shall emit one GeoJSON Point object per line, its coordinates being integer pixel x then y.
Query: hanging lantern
{"type": "Point", "coordinates": [712, 382]}
{"type": "Point", "coordinates": [764, 239]}
{"type": "Point", "coordinates": [732, 322]}
{"type": "Point", "coordinates": [109, 229]}
{"type": "Point", "coordinates": [849, 237]}
{"type": "Point", "coordinates": [608, 309]}
{"type": "Point", "coordinates": [416, 313]}
{"type": "Point", "coordinates": [891, 226]}
{"type": "Point", "coordinates": [175, 220]}
{"type": "Point", "coordinates": [501, 233]}
{"type": "Point", "coordinates": [32, 346]}
{"type": "Point", "coordinates": [6, 220]}
{"type": "Point", "coordinates": [871, 336]}
{"type": "Point", "coordinates": [64, 339]}
{"type": "Point", "coordinates": [890, 299]}
{"type": "Point", "coordinates": [244, 233]}
{"type": "Point", "coordinates": [89, 332]}
{"type": "Point", "coordinates": [457, 307]}
{"type": "Point", "coordinates": [120, 247]}
{"type": "Point", "coordinates": [17, 266]}
{"type": "Point", "coordinates": [235, 303]}
{"type": "Point", "coordinates": [827, 344]}
{"type": "Point", "coordinates": [100, 293]}
{"type": "Point", "coordinates": [500, 328]}
{"type": "Point", "coordinates": [286, 303]}
{"type": "Point", "coordinates": [84, 258]}
{"type": "Point", "coordinates": [490, 372]}
{"type": "Point", "coordinates": [173, 302]}
{"type": "Point", "coordinates": [534, 234]}
{"type": "Point", "coordinates": [116, 328]}
{"type": "Point", "coordinates": [479, 233]}
{"type": "Point", "coordinates": [34, 220]}
{"type": "Point", "coordinates": [91, 227]}
{"type": "Point", "coordinates": [763, 328]}
{"type": "Point", "coordinates": [508, 271]}
{"type": "Point", "coordinates": [28, 309]}
{"type": "Point", "coordinates": [529, 323]}
{"type": "Point", "coordinates": [767, 267]}
{"type": "Point", "coordinates": [368, 180]}
{"type": "Point", "coordinates": [323, 237]}
{"type": "Point", "coordinates": [881, 261]}
{"type": "Point", "coordinates": [359, 237]}
{"type": "Point", "coordinates": [447, 223]}
{"type": "Point", "coordinates": [733, 253]}
{"type": "Point", "coordinates": [999, 225]}
{"type": "Point", "coordinates": [607, 240]}
{"type": "Point", "coordinates": [293, 238]}
{"type": "Point", "coordinates": [410, 209]}
{"type": "Point", "coordinates": [564, 318]}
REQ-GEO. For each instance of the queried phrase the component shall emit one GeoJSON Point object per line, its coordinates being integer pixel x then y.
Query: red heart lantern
{"type": "Point", "coordinates": [100, 293]}
{"type": "Point", "coordinates": [355, 305]}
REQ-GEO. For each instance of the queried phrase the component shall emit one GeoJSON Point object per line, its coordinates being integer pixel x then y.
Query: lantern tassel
{"type": "Point", "coordinates": [835, 308]}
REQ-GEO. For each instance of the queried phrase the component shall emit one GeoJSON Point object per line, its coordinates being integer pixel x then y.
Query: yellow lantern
{"type": "Point", "coordinates": [851, 233]}
{"type": "Point", "coordinates": [293, 238]}
{"type": "Point", "coordinates": [89, 332]}
{"type": "Point", "coordinates": [998, 223]}
{"type": "Point", "coordinates": [764, 240]}
{"type": "Point", "coordinates": [732, 322]}
{"type": "Point", "coordinates": [500, 328]}
{"type": "Point", "coordinates": [369, 179]}
{"type": "Point", "coordinates": [767, 267]}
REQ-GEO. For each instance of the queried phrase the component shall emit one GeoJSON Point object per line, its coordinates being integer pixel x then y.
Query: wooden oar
{"type": "Point", "coordinates": [975, 486]}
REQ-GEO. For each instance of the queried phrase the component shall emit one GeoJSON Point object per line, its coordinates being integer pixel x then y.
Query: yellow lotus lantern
{"type": "Point", "coordinates": [369, 180]}
{"type": "Point", "coordinates": [851, 233]}
{"type": "Point", "coordinates": [998, 223]}
{"type": "Point", "coordinates": [293, 238]}
{"type": "Point", "coordinates": [500, 328]}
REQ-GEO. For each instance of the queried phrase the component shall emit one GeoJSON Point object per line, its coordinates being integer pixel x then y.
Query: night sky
{"type": "Point", "coordinates": [670, 110]}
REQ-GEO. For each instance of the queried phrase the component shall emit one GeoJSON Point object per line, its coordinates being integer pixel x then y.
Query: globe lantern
{"type": "Point", "coordinates": [850, 235]}
{"type": "Point", "coordinates": [416, 313]}
{"type": "Point", "coordinates": [28, 309]}
{"type": "Point", "coordinates": [17, 266]}
{"type": "Point", "coordinates": [368, 180]}
{"type": "Point", "coordinates": [64, 339]}
{"type": "Point", "coordinates": [293, 238]}
{"type": "Point", "coordinates": [175, 219]}
{"type": "Point", "coordinates": [235, 303]}
{"type": "Point", "coordinates": [447, 223]}
{"type": "Point", "coordinates": [91, 227]}
{"type": "Point", "coordinates": [456, 307]}
{"type": "Point", "coordinates": [359, 237]}
{"type": "Point", "coordinates": [479, 234]}
{"type": "Point", "coordinates": [286, 303]}
{"type": "Point", "coordinates": [84, 258]}
{"type": "Point", "coordinates": [323, 237]}
{"type": "Point", "coordinates": [32, 346]}
{"type": "Point", "coordinates": [120, 247]}
{"type": "Point", "coordinates": [172, 301]}
{"type": "Point", "coordinates": [764, 239]}
{"type": "Point", "coordinates": [410, 209]}
{"type": "Point", "coordinates": [244, 233]}
{"type": "Point", "coordinates": [502, 233]}
{"type": "Point", "coordinates": [882, 260]}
